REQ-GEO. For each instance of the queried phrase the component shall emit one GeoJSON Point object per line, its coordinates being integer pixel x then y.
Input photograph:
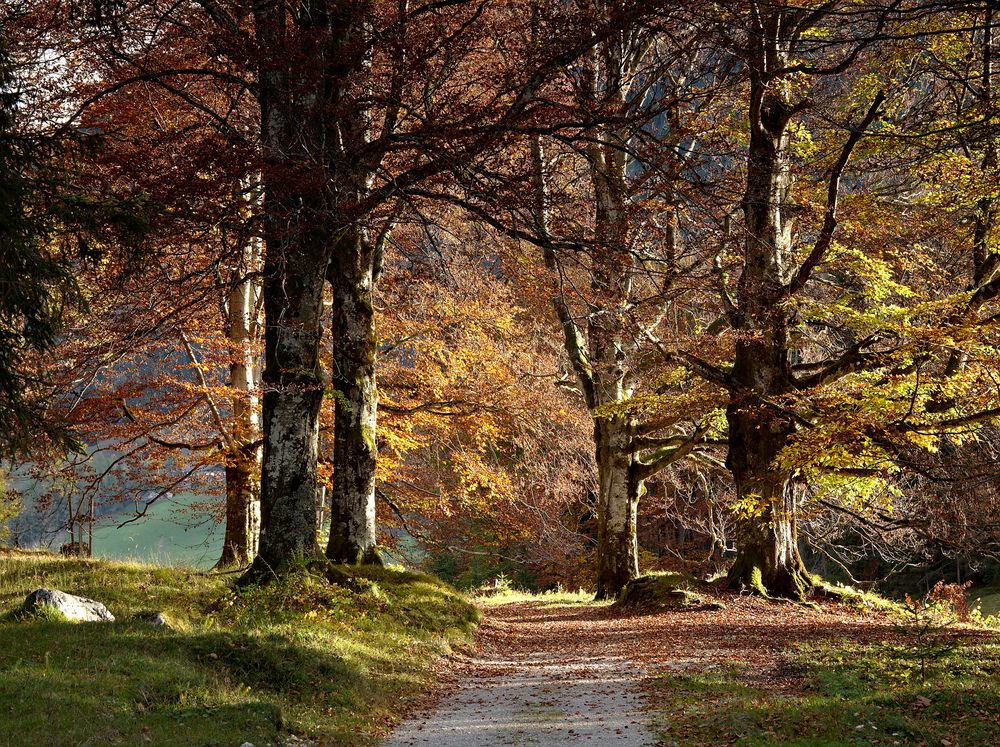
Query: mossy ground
{"type": "Point", "coordinates": [331, 663]}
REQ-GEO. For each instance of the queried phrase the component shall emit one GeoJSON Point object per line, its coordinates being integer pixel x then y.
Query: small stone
{"type": "Point", "coordinates": [159, 619]}
{"type": "Point", "coordinates": [73, 608]}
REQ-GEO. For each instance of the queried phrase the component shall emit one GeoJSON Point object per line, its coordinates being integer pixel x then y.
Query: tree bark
{"type": "Point", "coordinates": [767, 559]}
{"type": "Point", "coordinates": [597, 359]}
{"type": "Point", "coordinates": [352, 502]}
{"type": "Point", "coordinates": [239, 546]}
{"type": "Point", "coordinates": [295, 98]}
{"type": "Point", "coordinates": [293, 394]}
{"type": "Point", "coordinates": [618, 503]}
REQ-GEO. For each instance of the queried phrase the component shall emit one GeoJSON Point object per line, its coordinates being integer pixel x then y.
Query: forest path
{"type": "Point", "coordinates": [544, 673]}
{"type": "Point", "coordinates": [540, 675]}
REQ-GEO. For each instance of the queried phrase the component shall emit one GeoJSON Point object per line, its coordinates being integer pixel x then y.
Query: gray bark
{"type": "Point", "coordinates": [296, 95]}
{"type": "Point", "coordinates": [352, 501]}
{"type": "Point", "coordinates": [618, 504]}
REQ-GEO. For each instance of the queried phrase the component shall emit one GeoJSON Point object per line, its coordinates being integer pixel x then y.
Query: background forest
{"type": "Point", "coordinates": [553, 290]}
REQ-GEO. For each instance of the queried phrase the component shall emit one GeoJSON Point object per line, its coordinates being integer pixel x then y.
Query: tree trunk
{"type": "Point", "coordinates": [242, 512]}
{"type": "Point", "coordinates": [767, 559]}
{"type": "Point", "coordinates": [293, 394]}
{"type": "Point", "coordinates": [243, 462]}
{"type": "Point", "coordinates": [352, 502]}
{"type": "Point", "coordinates": [300, 81]}
{"type": "Point", "coordinates": [618, 502]}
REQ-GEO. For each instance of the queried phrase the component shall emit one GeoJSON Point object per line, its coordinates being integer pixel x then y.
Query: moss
{"type": "Point", "coordinates": [756, 581]}
{"type": "Point", "coordinates": [860, 599]}
{"type": "Point", "coordinates": [338, 396]}
{"type": "Point", "coordinates": [663, 591]}
{"type": "Point", "coordinates": [368, 436]}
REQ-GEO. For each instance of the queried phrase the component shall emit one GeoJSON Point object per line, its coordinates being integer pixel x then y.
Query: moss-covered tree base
{"type": "Point", "coordinates": [349, 554]}
{"type": "Point", "coordinates": [659, 592]}
{"type": "Point", "coordinates": [756, 570]}
{"type": "Point", "coordinates": [263, 572]}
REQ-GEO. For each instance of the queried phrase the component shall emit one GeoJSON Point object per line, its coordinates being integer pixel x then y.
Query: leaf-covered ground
{"type": "Point", "coordinates": [775, 673]}
{"type": "Point", "coordinates": [718, 668]}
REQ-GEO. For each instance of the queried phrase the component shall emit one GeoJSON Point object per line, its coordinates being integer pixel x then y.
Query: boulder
{"type": "Point", "coordinates": [73, 608]}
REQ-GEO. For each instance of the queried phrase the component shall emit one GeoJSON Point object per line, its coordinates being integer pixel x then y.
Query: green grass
{"type": "Point", "coordinates": [852, 695]}
{"type": "Point", "coordinates": [332, 663]}
{"type": "Point", "coordinates": [862, 600]}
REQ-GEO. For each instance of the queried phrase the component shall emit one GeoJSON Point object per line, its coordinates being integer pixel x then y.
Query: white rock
{"type": "Point", "coordinates": [73, 608]}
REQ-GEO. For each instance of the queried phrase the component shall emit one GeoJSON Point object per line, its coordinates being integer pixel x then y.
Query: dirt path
{"type": "Point", "coordinates": [540, 676]}
{"type": "Point", "coordinates": [566, 675]}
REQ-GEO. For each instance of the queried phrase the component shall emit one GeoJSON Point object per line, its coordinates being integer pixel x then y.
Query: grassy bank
{"type": "Point", "coordinates": [334, 664]}
{"type": "Point", "coordinates": [843, 694]}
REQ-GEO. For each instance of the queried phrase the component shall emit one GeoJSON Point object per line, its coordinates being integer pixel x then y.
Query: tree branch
{"type": "Point", "coordinates": [832, 195]}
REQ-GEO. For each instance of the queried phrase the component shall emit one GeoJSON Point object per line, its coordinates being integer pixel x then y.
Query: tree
{"type": "Point", "coordinates": [758, 427]}
{"type": "Point", "coordinates": [603, 209]}
{"type": "Point", "coordinates": [631, 263]}
{"type": "Point", "coordinates": [36, 279]}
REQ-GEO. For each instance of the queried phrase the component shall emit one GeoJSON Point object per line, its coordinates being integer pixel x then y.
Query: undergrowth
{"type": "Point", "coordinates": [502, 590]}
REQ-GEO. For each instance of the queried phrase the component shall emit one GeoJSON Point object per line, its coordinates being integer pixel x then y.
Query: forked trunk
{"type": "Point", "coordinates": [352, 501]}
{"type": "Point", "coordinates": [618, 502]}
{"type": "Point", "coordinates": [767, 557]}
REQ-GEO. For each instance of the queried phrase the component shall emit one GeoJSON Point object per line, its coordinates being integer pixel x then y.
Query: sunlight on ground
{"type": "Point", "coordinates": [579, 598]}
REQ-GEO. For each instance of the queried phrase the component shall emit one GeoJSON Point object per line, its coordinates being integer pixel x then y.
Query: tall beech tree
{"type": "Point", "coordinates": [777, 44]}
{"type": "Point", "coordinates": [629, 264]}
{"type": "Point", "coordinates": [599, 197]}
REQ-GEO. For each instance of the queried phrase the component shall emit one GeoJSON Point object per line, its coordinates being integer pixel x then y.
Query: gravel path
{"type": "Point", "coordinates": [540, 676]}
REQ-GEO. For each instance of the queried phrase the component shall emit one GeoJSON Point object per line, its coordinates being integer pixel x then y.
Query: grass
{"type": "Point", "coordinates": [501, 590]}
{"type": "Point", "coordinates": [850, 695]}
{"type": "Point", "coordinates": [862, 600]}
{"type": "Point", "coordinates": [331, 663]}
{"type": "Point", "coordinates": [544, 598]}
